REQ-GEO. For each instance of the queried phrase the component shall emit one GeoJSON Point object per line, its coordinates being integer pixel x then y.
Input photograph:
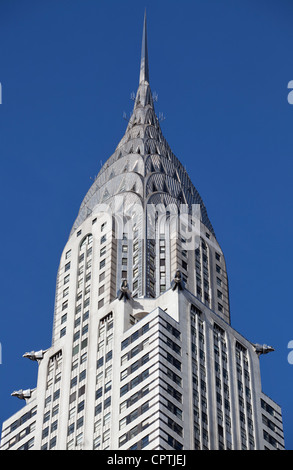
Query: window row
{"type": "Point", "coordinates": [104, 359]}
{"type": "Point", "coordinates": [134, 382]}
{"type": "Point", "coordinates": [134, 351]}
{"type": "Point", "coordinates": [134, 398]}
{"type": "Point", "coordinates": [171, 344]}
{"type": "Point", "coordinates": [134, 415]}
{"type": "Point", "coordinates": [105, 389]}
{"type": "Point", "coordinates": [134, 432]}
{"type": "Point", "coordinates": [25, 432]}
{"type": "Point", "coordinates": [99, 407]}
{"type": "Point", "coordinates": [134, 336]}
{"type": "Point", "coordinates": [134, 367]}
{"type": "Point", "coordinates": [75, 379]}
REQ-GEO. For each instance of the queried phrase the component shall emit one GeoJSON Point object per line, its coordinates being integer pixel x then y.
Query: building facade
{"type": "Point", "coordinates": [143, 354]}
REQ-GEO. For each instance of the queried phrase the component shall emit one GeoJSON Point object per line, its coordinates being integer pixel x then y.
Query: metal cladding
{"type": "Point", "coordinates": [143, 168]}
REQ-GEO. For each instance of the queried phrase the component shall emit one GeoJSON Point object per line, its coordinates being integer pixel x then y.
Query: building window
{"type": "Point", "coordinates": [101, 289]}
{"type": "Point", "coordinates": [79, 439]}
{"type": "Point", "coordinates": [135, 272]}
{"type": "Point", "coordinates": [63, 332]}
{"type": "Point", "coordinates": [98, 409]}
{"type": "Point", "coordinates": [109, 356]}
{"type": "Point", "coordinates": [107, 402]}
{"type": "Point", "coordinates": [66, 291]}
{"type": "Point", "coordinates": [122, 440]}
{"type": "Point", "coordinates": [82, 375]}
{"type": "Point", "coordinates": [133, 432]}
{"type": "Point", "coordinates": [54, 425]}
{"type": "Point", "coordinates": [107, 419]}
{"type": "Point", "coordinates": [100, 362]}
{"type": "Point", "coordinates": [67, 266]}
{"type": "Point", "coordinates": [56, 394]}
{"type": "Point", "coordinates": [53, 442]}
{"type": "Point", "coordinates": [97, 442]}
{"type": "Point", "coordinates": [79, 423]}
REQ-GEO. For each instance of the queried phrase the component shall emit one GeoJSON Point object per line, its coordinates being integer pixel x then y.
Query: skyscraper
{"type": "Point", "coordinates": [143, 354]}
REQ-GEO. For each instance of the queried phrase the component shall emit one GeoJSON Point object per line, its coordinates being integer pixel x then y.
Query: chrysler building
{"type": "Point", "coordinates": [143, 353]}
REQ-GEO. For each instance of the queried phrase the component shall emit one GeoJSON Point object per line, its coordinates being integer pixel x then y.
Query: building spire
{"type": "Point", "coordinates": [144, 63]}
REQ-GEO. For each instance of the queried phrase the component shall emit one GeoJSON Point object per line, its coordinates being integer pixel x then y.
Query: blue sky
{"type": "Point", "coordinates": [221, 71]}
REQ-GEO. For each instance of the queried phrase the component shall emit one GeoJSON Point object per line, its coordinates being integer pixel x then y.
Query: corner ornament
{"type": "Point", "coordinates": [35, 356]}
{"type": "Point", "coordinates": [23, 394]}
{"type": "Point", "coordinates": [124, 292]}
{"type": "Point", "coordinates": [177, 282]}
{"type": "Point", "coordinates": [262, 349]}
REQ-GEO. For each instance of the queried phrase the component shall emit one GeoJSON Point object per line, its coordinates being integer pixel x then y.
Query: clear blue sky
{"type": "Point", "coordinates": [221, 69]}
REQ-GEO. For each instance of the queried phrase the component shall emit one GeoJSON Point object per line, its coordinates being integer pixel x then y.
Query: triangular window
{"type": "Point", "coordinates": [122, 186]}
{"type": "Point", "coordinates": [106, 195]}
{"type": "Point", "coordinates": [165, 187]}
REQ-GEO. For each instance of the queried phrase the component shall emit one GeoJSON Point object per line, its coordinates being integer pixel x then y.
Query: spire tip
{"type": "Point", "coordinates": [144, 63]}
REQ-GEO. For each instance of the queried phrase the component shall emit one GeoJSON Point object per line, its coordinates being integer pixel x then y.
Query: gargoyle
{"type": "Point", "coordinates": [124, 292]}
{"type": "Point", "coordinates": [177, 281]}
{"type": "Point", "coordinates": [23, 394]}
{"type": "Point", "coordinates": [35, 356]}
{"type": "Point", "coordinates": [263, 348]}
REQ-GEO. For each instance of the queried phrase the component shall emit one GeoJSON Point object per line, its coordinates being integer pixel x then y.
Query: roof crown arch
{"type": "Point", "coordinates": [155, 147]}
{"type": "Point", "coordinates": [110, 189]}
{"type": "Point", "coordinates": [166, 166]}
{"type": "Point", "coordinates": [161, 200]}
{"type": "Point", "coordinates": [143, 111]}
{"type": "Point", "coordinates": [134, 160]}
{"type": "Point", "coordinates": [178, 194]}
{"type": "Point", "coordinates": [144, 97]}
{"type": "Point", "coordinates": [168, 185]}
{"type": "Point", "coordinates": [132, 146]}
{"type": "Point", "coordinates": [122, 183]}
{"type": "Point", "coordinates": [137, 119]}
{"type": "Point", "coordinates": [154, 163]}
{"type": "Point", "coordinates": [155, 180]}
{"type": "Point", "coordinates": [158, 164]}
{"type": "Point", "coordinates": [151, 118]}
{"type": "Point", "coordinates": [135, 164]}
{"type": "Point", "coordinates": [137, 133]}
{"type": "Point", "coordinates": [152, 132]}
{"type": "Point", "coordinates": [122, 150]}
